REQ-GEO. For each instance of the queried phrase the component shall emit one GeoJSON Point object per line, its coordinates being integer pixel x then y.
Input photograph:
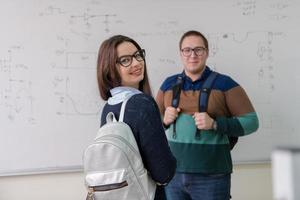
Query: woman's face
{"type": "Point", "coordinates": [130, 64]}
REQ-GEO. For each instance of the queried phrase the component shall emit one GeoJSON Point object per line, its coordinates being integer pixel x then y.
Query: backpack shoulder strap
{"type": "Point", "coordinates": [122, 111]}
{"type": "Point", "coordinates": [110, 117]}
{"type": "Point", "coordinates": [204, 95]}
{"type": "Point", "coordinates": [205, 91]}
{"type": "Point", "coordinates": [203, 103]}
{"type": "Point", "coordinates": [176, 90]}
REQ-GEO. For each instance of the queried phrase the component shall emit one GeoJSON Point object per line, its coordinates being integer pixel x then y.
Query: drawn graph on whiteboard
{"type": "Point", "coordinates": [85, 21]}
{"type": "Point", "coordinates": [262, 59]}
{"type": "Point", "coordinates": [70, 101]}
{"type": "Point", "coordinates": [16, 97]}
{"type": "Point", "coordinates": [75, 60]}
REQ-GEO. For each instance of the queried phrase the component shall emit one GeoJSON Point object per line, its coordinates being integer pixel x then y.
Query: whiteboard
{"type": "Point", "coordinates": [49, 101]}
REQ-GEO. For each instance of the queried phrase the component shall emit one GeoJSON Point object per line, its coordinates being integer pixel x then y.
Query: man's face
{"type": "Point", "coordinates": [193, 54]}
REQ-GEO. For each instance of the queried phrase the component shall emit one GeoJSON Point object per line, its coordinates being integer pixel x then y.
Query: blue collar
{"type": "Point", "coordinates": [203, 76]}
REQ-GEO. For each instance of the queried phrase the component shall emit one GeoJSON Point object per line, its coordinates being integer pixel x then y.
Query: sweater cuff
{"type": "Point", "coordinates": [222, 125]}
{"type": "Point", "coordinates": [166, 126]}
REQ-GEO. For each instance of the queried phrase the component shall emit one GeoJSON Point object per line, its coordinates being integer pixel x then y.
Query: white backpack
{"type": "Point", "coordinates": [113, 166]}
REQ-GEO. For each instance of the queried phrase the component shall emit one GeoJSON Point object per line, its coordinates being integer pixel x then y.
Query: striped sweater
{"type": "Point", "coordinates": [228, 104]}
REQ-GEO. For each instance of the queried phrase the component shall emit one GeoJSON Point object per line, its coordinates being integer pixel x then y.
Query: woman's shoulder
{"type": "Point", "coordinates": [142, 102]}
{"type": "Point", "coordinates": [142, 98]}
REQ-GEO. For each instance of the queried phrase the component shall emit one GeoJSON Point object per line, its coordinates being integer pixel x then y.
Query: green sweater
{"type": "Point", "coordinates": [228, 104]}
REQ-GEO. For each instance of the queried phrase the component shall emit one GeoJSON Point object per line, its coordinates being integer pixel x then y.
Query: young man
{"type": "Point", "coordinates": [200, 141]}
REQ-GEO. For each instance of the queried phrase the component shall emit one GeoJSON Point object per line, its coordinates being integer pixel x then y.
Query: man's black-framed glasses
{"type": "Point", "coordinates": [126, 60]}
{"type": "Point", "coordinates": [199, 51]}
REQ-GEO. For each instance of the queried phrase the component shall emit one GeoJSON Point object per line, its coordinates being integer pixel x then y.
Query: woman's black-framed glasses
{"type": "Point", "coordinates": [199, 51]}
{"type": "Point", "coordinates": [126, 60]}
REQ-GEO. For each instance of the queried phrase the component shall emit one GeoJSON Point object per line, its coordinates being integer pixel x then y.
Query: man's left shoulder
{"type": "Point", "coordinates": [224, 82]}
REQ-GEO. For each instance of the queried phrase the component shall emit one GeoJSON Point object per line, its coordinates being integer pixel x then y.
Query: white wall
{"type": "Point", "coordinates": [249, 182]}
{"type": "Point", "coordinates": [252, 182]}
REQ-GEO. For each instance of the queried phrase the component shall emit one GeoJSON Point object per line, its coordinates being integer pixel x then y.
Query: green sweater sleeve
{"type": "Point", "coordinates": [238, 126]}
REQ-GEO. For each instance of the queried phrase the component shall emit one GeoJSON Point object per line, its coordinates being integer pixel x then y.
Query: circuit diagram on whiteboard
{"type": "Point", "coordinates": [16, 97]}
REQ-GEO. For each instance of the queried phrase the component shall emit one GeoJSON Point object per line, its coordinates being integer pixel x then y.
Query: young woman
{"type": "Point", "coordinates": [121, 73]}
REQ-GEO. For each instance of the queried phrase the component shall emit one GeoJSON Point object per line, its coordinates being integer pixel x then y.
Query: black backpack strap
{"type": "Point", "coordinates": [205, 91]}
{"type": "Point", "coordinates": [204, 95]}
{"type": "Point", "coordinates": [203, 103]}
{"type": "Point", "coordinates": [176, 98]}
